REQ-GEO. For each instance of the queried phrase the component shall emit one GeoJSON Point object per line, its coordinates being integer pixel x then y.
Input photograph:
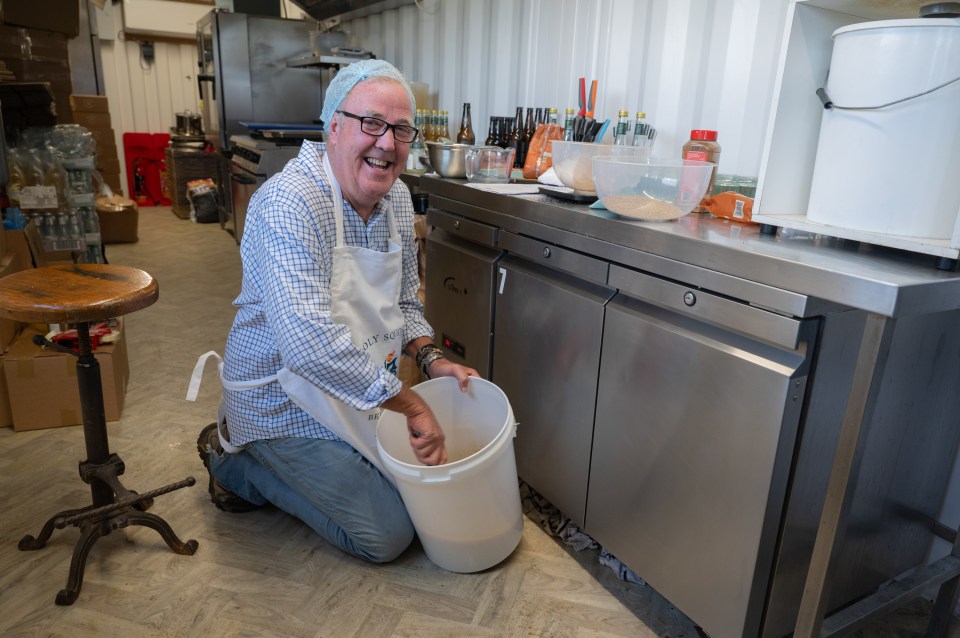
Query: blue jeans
{"type": "Point", "coordinates": [326, 484]}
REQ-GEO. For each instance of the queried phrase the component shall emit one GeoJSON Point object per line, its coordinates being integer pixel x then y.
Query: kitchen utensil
{"type": "Point", "coordinates": [571, 161]}
{"type": "Point", "coordinates": [489, 164]}
{"type": "Point", "coordinates": [650, 189]}
{"type": "Point", "coordinates": [603, 130]}
{"type": "Point", "coordinates": [583, 97]}
{"type": "Point", "coordinates": [593, 98]}
{"type": "Point", "coordinates": [448, 160]}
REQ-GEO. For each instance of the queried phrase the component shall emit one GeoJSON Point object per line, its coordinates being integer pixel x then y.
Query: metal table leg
{"type": "Point", "coordinates": [946, 572]}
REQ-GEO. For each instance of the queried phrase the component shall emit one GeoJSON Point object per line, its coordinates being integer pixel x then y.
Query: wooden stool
{"type": "Point", "coordinates": [80, 294]}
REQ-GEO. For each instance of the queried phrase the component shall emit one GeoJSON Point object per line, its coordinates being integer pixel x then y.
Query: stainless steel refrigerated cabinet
{"type": "Point", "coordinates": [460, 278]}
{"type": "Point", "coordinates": [549, 324]}
{"type": "Point", "coordinates": [694, 431]}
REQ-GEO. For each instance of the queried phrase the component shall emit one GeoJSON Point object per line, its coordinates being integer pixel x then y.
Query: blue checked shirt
{"type": "Point", "coordinates": [283, 311]}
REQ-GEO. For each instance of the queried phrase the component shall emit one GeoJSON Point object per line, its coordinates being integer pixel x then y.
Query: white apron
{"type": "Point", "coordinates": [365, 297]}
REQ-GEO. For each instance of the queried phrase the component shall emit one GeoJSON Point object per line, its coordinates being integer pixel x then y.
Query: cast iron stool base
{"type": "Point", "coordinates": [114, 507]}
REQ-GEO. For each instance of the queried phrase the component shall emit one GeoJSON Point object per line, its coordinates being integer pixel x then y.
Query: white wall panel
{"type": "Point", "coordinates": [687, 63]}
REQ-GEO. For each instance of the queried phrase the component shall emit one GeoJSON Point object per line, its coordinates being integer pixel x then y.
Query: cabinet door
{"type": "Point", "coordinates": [459, 305]}
{"type": "Point", "coordinates": [546, 359]}
{"type": "Point", "coordinates": [693, 440]}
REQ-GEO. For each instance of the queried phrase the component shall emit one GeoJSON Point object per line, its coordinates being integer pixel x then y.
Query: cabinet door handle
{"type": "Point", "coordinates": [503, 279]}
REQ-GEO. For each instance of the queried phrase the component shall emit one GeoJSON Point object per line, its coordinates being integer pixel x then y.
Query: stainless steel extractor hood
{"type": "Point", "coordinates": [346, 9]}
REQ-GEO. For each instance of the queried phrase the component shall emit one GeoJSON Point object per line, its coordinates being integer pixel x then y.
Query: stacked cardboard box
{"type": "Point", "coordinates": [16, 256]}
{"type": "Point", "coordinates": [38, 387]}
{"type": "Point", "coordinates": [59, 16]}
{"type": "Point", "coordinates": [42, 383]}
{"type": "Point", "coordinates": [93, 113]}
{"type": "Point", "coordinates": [32, 55]}
{"type": "Point", "coordinates": [119, 219]}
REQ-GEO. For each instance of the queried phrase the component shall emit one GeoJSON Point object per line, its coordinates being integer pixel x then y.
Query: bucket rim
{"type": "Point", "coordinates": [410, 470]}
{"type": "Point", "coordinates": [890, 24]}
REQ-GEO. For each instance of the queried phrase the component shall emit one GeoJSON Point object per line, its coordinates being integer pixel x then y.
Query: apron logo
{"type": "Point", "coordinates": [391, 363]}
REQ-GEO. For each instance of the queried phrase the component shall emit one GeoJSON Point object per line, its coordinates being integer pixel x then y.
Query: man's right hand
{"type": "Point", "coordinates": [426, 436]}
{"type": "Point", "coordinates": [427, 439]}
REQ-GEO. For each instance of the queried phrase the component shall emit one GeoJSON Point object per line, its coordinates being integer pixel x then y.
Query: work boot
{"type": "Point", "coordinates": [209, 443]}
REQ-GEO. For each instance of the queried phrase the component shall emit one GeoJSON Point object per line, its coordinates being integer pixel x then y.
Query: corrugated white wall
{"type": "Point", "coordinates": [687, 63]}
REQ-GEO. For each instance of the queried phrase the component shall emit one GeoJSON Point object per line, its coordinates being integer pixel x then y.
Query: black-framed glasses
{"type": "Point", "coordinates": [377, 127]}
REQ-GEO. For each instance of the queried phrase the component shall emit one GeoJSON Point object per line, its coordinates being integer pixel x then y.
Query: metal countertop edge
{"type": "Point", "coordinates": [888, 282]}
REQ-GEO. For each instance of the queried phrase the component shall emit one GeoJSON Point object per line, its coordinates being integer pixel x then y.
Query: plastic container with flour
{"type": "Point", "coordinates": [888, 156]}
{"type": "Point", "coordinates": [466, 512]}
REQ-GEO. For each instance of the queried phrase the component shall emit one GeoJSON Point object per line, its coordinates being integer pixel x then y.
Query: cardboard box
{"type": "Point", "coordinates": [92, 120]}
{"type": "Point", "coordinates": [104, 137]}
{"type": "Point", "coordinates": [89, 104]}
{"type": "Point", "coordinates": [29, 245]}
{"type": "Point", "coordinates": [17, 43]}
{"type": "Point", "coordinates": [9, 328]}
{"type": "Point", "coordinates": [61, 16]}
{"type": "Point", "coordinates": [108, 166]}
{"type": "Point", "coordinates": [16, 242]}
{"type": "Point", "coordinates": [118, 219]}
{"type": "Point", "coordinates": [107, 152]}
{"type": "Point", "coordinates": [42, 383]}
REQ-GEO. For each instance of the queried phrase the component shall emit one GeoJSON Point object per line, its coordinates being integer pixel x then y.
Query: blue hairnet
{"type": "Point", "coordinates": [349, 76]}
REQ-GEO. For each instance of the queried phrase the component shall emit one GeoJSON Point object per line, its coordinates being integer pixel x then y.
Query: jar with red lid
{"type": "Point", "coordinates": [703, 147]}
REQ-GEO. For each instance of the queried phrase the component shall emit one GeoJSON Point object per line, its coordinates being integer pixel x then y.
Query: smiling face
{"type": "Point", "coordinates": [367, 166]}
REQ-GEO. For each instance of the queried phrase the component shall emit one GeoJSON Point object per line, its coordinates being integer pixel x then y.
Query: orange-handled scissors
{"type": "Point", "coordinates": [593, 98]}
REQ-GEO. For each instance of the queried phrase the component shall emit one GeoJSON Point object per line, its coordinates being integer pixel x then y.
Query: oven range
{"type": "Point", "coordinates": [252, 162]}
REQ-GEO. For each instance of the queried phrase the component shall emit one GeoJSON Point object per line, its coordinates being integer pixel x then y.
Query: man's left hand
{"type": "Point", "coordinates": [447, 368]}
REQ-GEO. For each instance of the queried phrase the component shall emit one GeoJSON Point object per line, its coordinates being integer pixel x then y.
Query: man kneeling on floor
{"type": "Point", "coordinates": [328, 303]}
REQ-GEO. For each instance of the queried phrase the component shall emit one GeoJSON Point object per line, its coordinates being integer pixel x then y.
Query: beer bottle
{"type": "Point", "coordinates": [529, 128]}
{"type": "Point", "coordinates": [465, 134]}
{"type": "Point", "coordinates": [517, 137]}
{"type": "Point", "coordinates": [491, 132]}
{"type": "Point", "coordinates": [503, 132]}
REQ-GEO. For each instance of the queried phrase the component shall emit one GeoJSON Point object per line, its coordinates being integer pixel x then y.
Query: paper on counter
{"type": "Point", "coordinates": [507, 189]}
{"type": "Point", "coordinates": [549, 178]}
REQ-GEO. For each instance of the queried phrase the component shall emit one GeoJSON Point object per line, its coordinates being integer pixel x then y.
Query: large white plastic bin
{"type": "Point", "coordinates": [467, 512]}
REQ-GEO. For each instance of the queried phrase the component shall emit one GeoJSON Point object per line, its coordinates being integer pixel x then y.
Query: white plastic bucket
{"type": "Point", "coordinates": [891, 170]}
{"type": "Point", "coordinates": [466, 512]}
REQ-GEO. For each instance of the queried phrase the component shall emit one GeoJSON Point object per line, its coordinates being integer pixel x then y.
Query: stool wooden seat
{"type": "Point", "coordinates": [71, 293]}
{"type": "Point", "coordinates": [80, 294]}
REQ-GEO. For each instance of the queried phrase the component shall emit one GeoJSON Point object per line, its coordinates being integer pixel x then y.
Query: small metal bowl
{"type": "Point", "coordinates": [448, 160]}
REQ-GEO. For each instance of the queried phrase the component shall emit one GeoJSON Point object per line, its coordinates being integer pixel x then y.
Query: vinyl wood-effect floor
{"type": "Point", "coordinates": [264, 573]}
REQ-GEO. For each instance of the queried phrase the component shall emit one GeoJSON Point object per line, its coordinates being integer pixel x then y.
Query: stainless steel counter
{"type": "Point", "coordinates": [876, 279]}
{"type": "Point", "coordinates": [762, 426]}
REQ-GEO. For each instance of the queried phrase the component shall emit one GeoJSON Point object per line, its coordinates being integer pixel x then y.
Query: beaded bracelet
{"type": "Point", "coordinates": [426, 356]}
